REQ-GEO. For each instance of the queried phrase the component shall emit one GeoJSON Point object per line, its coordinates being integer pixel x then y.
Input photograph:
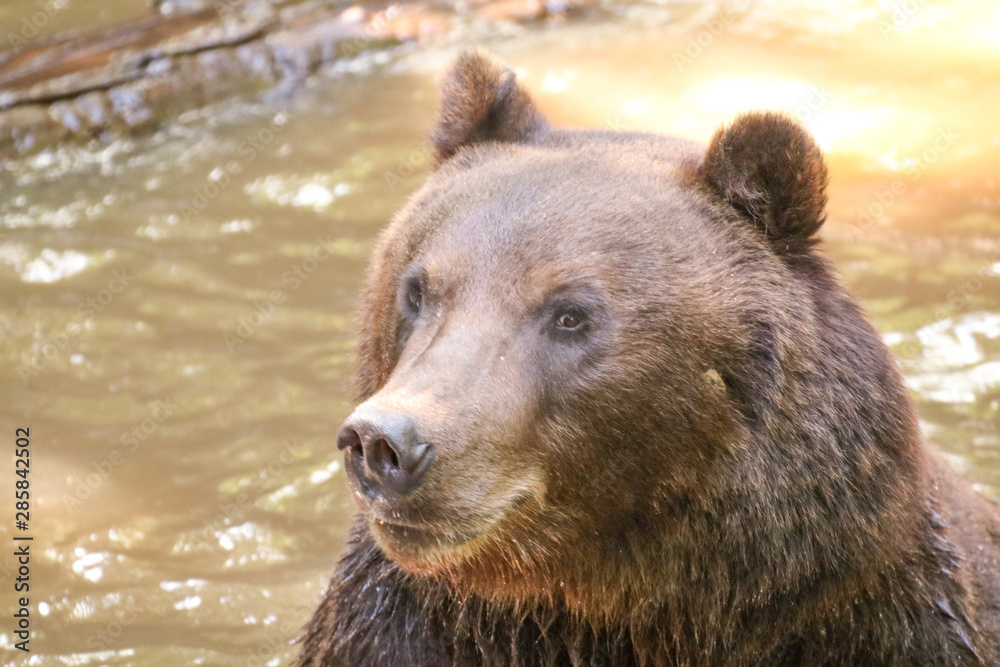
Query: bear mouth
{"type": "Point", "coordinates": [423, 537]}
{"type": "Point", "coordinates": [404, 539]}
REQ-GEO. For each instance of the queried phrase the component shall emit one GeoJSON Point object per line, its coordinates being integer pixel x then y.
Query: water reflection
{"type": "Point", "coordinates": [177, 308]}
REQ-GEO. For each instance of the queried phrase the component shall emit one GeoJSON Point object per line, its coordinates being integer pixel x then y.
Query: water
{"type": "Point", "coordinates": [177, 308]}
{"type": "Point", "coordinates": [24, 21]}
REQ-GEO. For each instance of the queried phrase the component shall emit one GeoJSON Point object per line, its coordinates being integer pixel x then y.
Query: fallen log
{"type": "Point", "coordinates": [120, 80]}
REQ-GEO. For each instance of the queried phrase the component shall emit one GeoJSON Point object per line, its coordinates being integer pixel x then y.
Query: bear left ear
{"type": "Point", "coordinates": [769, 168]}
{"type": "Point", "coordinates": [482, 101]}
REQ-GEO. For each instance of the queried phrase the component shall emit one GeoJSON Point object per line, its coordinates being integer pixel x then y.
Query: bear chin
{"type": "Point", "coordinates": [422, 549]}
{"type": "Point", "coordinates": [429, 549]}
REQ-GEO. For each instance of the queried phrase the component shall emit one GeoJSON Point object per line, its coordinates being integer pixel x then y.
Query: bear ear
{"type": "Point", "coordinates": [482, 101]}
{"type": "Point", "coordinates": [768, 167]}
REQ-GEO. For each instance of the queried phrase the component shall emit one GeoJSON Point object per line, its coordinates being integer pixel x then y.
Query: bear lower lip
{"type": "Point", "coordinates": [417, 540]}
{"type": "Point", "coordinates": [422, 537]}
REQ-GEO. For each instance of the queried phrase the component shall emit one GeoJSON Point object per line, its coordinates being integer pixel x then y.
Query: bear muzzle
{"type": "Point", "coordinates": [384, 456]}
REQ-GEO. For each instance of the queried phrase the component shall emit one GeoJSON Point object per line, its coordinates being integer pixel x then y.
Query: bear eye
{"type": "Point", "coordinates": [414, 296]}
{"type": "Point", "coordinates": [569, 321]}
{"type": "Point", "coordinates": [572, 314]}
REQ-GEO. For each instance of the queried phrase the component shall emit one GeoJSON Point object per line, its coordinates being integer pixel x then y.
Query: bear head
{"type": "Point", "coordinates": [593, 363]}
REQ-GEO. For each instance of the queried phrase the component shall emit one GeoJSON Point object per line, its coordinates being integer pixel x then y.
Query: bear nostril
{"type": "Point", "coordinates": [385, 452]}
{"type": "Point", "coordinates": [349, 439]}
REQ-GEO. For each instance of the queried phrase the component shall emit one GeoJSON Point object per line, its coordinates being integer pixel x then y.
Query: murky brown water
{"type": "Point", "coordinates": [24, 21]}
{"type": "Point", "coordinates": [176, 309]}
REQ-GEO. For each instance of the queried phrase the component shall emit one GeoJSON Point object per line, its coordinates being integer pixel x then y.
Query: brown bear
{"type": "Point", "coordinates": [618, 410]}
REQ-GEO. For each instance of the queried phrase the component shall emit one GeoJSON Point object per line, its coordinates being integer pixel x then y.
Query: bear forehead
{"type": "Point", "coordinates": [603, 198]}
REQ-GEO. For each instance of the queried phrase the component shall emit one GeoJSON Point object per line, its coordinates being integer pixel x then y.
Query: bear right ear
{"type": "Point", "coordinates": [482, 101]}
{"type": "Point", "coordinates": [769, 168]}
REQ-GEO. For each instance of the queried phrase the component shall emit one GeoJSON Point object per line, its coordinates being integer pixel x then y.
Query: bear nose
{"type": "Point", "coordinates": [384, 455]}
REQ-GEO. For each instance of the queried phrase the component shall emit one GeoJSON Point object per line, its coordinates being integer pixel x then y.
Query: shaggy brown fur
{"type": "Point", "coordinates": [664, 435]}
